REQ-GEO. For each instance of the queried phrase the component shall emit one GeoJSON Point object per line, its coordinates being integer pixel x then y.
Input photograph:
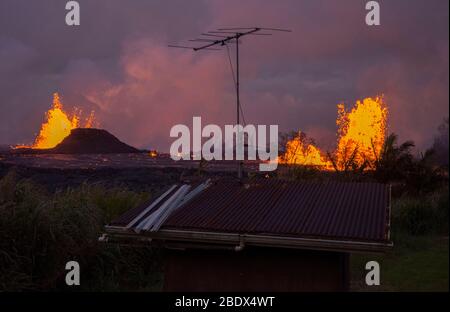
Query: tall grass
{"type": "Point", "coordinates": [40, 232]}
{"type": "Point", "coordinates": [427, 214]}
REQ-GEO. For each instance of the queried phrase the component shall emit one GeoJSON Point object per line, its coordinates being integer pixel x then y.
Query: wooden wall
{"type": "Point", "coordinates": [256, 269]}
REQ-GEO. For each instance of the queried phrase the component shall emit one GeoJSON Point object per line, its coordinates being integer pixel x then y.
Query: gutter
{"type": "Point", "coordinates": [224, 240]}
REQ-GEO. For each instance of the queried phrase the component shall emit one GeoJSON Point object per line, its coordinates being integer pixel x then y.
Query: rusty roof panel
{"type": "Point", "coordinates": [329, 210]}
{"type": "Point", "coordinates": [332, 210]}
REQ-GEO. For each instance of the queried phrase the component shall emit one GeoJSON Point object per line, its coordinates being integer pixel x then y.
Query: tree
{"type": "Point", "coordinates": [440, 144]}
{"type": "Point", "coordinates": [347, 159]}
{"type": "Point", "coordinates": [423, 175]}
{"type": "Point", "coordinates": [394, 161]}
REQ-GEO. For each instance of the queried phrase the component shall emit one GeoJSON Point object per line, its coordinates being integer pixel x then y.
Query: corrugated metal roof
{"type": "Point", "coordinates": [334, 210]}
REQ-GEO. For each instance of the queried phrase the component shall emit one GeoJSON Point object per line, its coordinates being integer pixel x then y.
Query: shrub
{"type": "Point", "coordinates": [40, 232]}
{"type": "Point", "coordinates": [413, 215]}
{"type": "Point", "coordinates": [424, 215]}
{"type": "Point", "coordinates": [441, 202]}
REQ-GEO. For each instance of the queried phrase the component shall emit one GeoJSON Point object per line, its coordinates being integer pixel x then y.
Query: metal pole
{"type": "Point", "coordinates": [238, 139]}
{"type": "Point", "coordinates": [228, 35]}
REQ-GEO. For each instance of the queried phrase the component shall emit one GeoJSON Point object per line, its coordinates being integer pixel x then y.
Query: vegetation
{"type": "Point", "coordinates": [440, 144]}
{"type": "Point", "coordinates": [394, 164]}
{"type": "Point", "coordinates": [417, 263]}
{"type": "Point", "coordinates": [40, 232]}
{"type": "Point", "coordinates": [419, 260]}
{"type": "Point", "coordinates": [426, 215]}
{"type": "Point", "coordinates": [394, 160]}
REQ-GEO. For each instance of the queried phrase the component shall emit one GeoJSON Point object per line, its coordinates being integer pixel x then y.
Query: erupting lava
{"type": "Point", "coordinates": [361, 136]}
{"type": "Point", "coordinates": [301, 153]}
{"type": "Point", "coordinates": [58, 125]}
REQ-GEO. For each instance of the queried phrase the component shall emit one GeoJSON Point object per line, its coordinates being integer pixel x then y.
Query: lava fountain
{"type": "Point", "coordinates": [58, 124]}
{"type": "Point", "coordinates": [361, 134]}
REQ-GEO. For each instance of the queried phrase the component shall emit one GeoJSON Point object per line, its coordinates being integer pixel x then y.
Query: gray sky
{"type": "Point", "coordinates": [117, 62]}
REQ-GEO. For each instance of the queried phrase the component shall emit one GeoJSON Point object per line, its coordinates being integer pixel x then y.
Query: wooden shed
{"type": "Point", "coordinates": [260, 235]}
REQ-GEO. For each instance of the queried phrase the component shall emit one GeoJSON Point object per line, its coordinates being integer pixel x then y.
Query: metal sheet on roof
{"type": "Point", "coordinates": [353, 211]}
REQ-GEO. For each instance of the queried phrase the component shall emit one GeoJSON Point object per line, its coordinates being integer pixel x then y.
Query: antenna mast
{"type": "Point", "coordinates": [223, 36]}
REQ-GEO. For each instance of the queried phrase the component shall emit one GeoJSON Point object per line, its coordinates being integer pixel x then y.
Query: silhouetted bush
{"type": "Point", "coordinates": [41, 232]}
{"type": "Point", "coordinates": [422, 215]}
{"type": "Point", "coordinates": [440, 144]}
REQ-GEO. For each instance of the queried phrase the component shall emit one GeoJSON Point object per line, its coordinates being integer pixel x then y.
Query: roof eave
{"type": "Point", "coordinates": [191, 238]}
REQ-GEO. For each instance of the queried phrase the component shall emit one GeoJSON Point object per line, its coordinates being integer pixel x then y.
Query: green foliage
{"type": "Point", "coordinates": [424, 215]}
{"type": "Point", "coordinates": [111, 202]}
{"type": "Point", "coordinates": [396, 163]}
{"type": "Point", "coordinates": [423, 176]}
{"type": "Point", "coordinates": [417, 263]}
{"type": "Point", "coordinates": [440, 144]}
{"type": "Point", "coordinates": [40, 232]}
{"type": "Point", "coordinates": [394, 160]}
{"type": "Point", "coordinates": [414, 216]}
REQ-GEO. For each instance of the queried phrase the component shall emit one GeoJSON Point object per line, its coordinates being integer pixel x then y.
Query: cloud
{"type": "Point", "coordinates": [158, 88]}
{"type": "Point", "coordinates": [117, 63]}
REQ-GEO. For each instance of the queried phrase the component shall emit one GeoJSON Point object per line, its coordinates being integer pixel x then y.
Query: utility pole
{"type": "Point", "coordinates": [238, 107]}
{"type": "Point", "coordinates": [223, 37]}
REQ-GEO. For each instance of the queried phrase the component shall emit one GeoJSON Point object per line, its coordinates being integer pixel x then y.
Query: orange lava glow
{"type": "Point", "coordinates": [361, 135]}
{"type": "Point", "coordinates": [301, 153]}
{"type": "Point", "coordinates": [57, 125]}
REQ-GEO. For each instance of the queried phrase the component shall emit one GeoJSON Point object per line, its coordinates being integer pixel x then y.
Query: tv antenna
{"type": "Point", "coordinates": [214, 40]}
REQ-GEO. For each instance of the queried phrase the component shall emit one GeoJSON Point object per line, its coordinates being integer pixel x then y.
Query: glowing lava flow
{"type": "Point", "coordinates": [58, 125]}
{"type": "Point", "coordinates": [361, 135]}
{"type": "Point", "coordinates": [301, 153]}
{"type": "Point", "coordinates": [362, 132]}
